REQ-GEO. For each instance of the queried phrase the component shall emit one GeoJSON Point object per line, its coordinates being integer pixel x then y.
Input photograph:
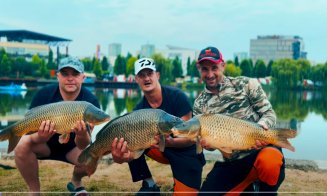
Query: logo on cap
{"type": "Point", "coordinates": [211, 54]}
{"type": "Point", "coordinates": [144, 63]}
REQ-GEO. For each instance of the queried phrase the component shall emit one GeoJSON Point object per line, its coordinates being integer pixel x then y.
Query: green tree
{"type": "Point", "coordinates": [177, 70]}
{"type": "Point", "coordinates": [286, 74]}
{"type": "Point", "coordinates": [164, 67]}
{"type": "Point", "coordinates": [232, 70]}
{"type": "Point", "coordinates": [120, 65]}
{"type": "Point", "coordinates": [188, 67]}
{"type": "Point", "coordinates": [88, 65]}
{"type": "Point", "coordinates": [260, 69]}
{"type": "Point", "coordinates": [18, 66]}
{"type": "Point", "coordinates": [2, 52]}
{"type": "Point", "coordinates": [305, 68]}
{"type": "Point", "coordinates": [104, 64]}
{"type": "Point", "coordinates": [194, 69]}
{"type": "Point", "coordinates": [5, 66]}
{"type": "Point", "coordinates": [44, 72]}
{"type": "Point", "coordinates": [246, 68]}
{"type": "Point", "coordinates": [97, 69]}
{"type": "Point", "coordinates": [236, 61]}
{"type": "Point", "coordinates": [269, 68]}
{"type": "Point", "coordinates": [130, 65]}
{"type": "Point", "coordinates": [51, 64]}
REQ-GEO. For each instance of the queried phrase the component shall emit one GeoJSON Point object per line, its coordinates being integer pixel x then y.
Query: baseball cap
{"type": "Point", "coordinates": [212, 54]}
{"type": "Point", "coordinates": [72, 62]}
{"type": "Point", "coordinates": [144, 63]}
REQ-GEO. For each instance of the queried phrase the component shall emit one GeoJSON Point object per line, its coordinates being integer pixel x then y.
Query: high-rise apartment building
{"type": "Point", "coordinates": [147, 50]}
{"type": "Point", "coordinates": [114, 51]}
{"type": "Point", "coordinates": [274, 47]}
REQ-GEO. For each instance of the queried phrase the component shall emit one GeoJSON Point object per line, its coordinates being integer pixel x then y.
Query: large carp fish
{"type": "Point", "coordinates": [138, 128]}
{"type": "Point", "coordinates": [64, 114]}
{"type": "Point", "coordinates": [227, 133]}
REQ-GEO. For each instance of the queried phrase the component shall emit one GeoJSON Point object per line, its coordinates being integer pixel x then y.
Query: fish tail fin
{"type": "Point", "coordinates": [5, 133]}
{"type": "Point", "coordinates": [13, 141]}
{"type": "Point", "coordinates": [283, 135]}
{"type": "Point", "coordinates": [8, 134]}
{"type": "Point", "coordinates": [90, 162]}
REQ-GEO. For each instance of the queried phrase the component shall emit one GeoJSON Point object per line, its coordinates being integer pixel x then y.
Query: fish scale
{"type": "Point", "coordinates": [64, 114]}
{"type": "Point", "coordinates": [228, 134]}
{"type": "Point", "coordinates": [138, 128]}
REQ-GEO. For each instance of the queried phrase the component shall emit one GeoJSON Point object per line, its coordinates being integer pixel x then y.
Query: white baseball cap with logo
{"type": "Point", "coordinates": [144, 63]}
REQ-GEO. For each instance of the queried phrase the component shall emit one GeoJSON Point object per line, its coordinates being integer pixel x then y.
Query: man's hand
{"type": "Point", "coordinates": [82, 136]}
{"type": "Point", "coordinates": [46, 131]}
{"type": "Point", "coordinates": [259, 143]}
{"type": "Point", "coordinates": [173, 142]}
{"type": "Point", "coordinates": [81, 129]}
{"type": "Point", "coordinates": [205, 145]}
{"type": "Point", "coordinates": [120, 152]}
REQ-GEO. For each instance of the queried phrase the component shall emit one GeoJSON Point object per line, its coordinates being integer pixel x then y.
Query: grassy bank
{"type": "Point", "coordinates": [54, 176]}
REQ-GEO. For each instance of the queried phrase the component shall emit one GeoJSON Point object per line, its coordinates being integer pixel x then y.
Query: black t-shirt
{"type": "Point", "coordinates": [51, 94]}
{"type": "Point", "coordinates": [174, 102]}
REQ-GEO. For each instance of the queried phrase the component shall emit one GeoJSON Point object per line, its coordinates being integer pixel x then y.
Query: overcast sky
{"type": "Point", "coordinates": [226, 24]}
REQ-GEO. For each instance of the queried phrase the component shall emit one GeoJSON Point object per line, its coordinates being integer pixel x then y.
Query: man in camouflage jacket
{"type": "Point", "coordinates": [261, 167]}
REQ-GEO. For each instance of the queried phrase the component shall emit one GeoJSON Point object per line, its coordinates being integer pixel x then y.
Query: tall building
{"type": "Point", "coordinates": [182, 53]}
{"type": "Point", "coordinates": [147, 50]}
{"type": "Point", "coordinates": [241, 56]}
{"type": "Point", "coordinates": [97, 52]}
{"type": "Point", "coordinates": [274, 47]}
{"type": "Point", "coordinates": [114, 51]}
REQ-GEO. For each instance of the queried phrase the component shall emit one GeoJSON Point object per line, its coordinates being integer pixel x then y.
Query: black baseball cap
{"type": "Point", "coordinates": [211, 54]}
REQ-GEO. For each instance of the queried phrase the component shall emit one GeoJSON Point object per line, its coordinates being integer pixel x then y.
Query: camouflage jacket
{"type": "Point", "coordinates": [239, 97]}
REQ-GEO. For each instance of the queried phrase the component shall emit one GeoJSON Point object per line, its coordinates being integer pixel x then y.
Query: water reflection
{"type": "Point", "coordinates": [291, 107]}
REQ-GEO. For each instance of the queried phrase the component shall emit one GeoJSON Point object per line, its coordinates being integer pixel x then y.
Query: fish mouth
{"type": "Point", "coordinates": [177, 133]}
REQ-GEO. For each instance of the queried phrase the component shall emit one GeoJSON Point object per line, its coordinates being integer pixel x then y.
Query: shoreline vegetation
{"type": "Point", "coordinates": [302, 176]}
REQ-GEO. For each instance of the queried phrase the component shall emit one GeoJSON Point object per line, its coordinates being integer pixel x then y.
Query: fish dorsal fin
{"type": "Point", "coordinates": [137, 154]}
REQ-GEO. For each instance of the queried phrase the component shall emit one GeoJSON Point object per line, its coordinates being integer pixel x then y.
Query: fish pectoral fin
{"type": "Point", "coordinates": [162, 142]}
{"type": "Point", "coordinates": [64, 138]}
{"type": "Point", "coordinates": [137, 154]}
{"type": "Point", "coordinates": [226, 150]}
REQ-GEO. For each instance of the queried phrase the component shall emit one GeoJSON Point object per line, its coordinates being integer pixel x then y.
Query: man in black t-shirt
{"type": "Point", "coordinates": [180, 153]}
{"type": "Point", "coordinates": [44, 144]}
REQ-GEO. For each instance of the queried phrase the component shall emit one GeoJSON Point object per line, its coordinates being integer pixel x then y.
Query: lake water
{"type": "Point", "coordinates": [306, 110]}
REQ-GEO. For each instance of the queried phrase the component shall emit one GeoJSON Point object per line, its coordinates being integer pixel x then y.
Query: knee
{"type": "Point", "coordinates": [23, 146]}
{"type": "Point", "coordinates": [268, 165]}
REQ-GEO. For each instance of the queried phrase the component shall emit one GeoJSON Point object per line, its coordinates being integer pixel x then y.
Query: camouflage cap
{"type": "Point", "coordinates": [72, 62]}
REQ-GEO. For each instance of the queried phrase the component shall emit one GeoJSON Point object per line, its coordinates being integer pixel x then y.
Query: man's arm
{"type": "Point", "coordinates": [261, 104]}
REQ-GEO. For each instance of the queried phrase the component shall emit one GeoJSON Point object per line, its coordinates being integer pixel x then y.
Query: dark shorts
{"type": "Point", "coordinates": [59, 151]}
{"type": "Point", "coordinates": [186, 166]}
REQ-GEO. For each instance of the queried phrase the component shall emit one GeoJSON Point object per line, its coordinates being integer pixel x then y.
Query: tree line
{"type": "Point", "coordinates": [285, 73]}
